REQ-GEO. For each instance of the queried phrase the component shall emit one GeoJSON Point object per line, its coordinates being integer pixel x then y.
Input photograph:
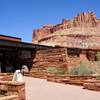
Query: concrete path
{"type": "Point", "coordinates": [40, 89]}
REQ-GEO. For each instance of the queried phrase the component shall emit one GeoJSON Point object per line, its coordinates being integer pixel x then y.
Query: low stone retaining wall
{"type": "Point", "coordinates": [79, 80]}
{"type": "Point", "coordinates": [76, 80]}
{"type": "Point", "coordinates": [92, 85]}
{"type": "Point", "coordinates": [13, 88]}
{"type": "Point", "coordinates": [11, 97]}
{"type": "Point", "coordinates": [42, 75]}
{"type": "Point", "coordinates": [59, 79]}
{"type": "Point", "coordinates": [6, 77]}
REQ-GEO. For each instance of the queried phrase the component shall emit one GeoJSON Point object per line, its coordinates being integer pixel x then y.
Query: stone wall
{"type": "Point", "coordinates": [13, 88]}
{"type": "Point", "coordinates": [92, 85]}
{"type": "Point", "coordinates": [56, 57]}
{"type": "Point", "coordinates": [50, 58]}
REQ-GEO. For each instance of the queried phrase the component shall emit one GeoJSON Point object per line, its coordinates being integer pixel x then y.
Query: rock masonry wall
{"type": "Point", "coordinates": [56, 57]}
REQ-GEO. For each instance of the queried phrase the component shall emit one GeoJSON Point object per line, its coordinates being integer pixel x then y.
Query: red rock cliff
{"type": "Point", "coordinates": [82, 24]}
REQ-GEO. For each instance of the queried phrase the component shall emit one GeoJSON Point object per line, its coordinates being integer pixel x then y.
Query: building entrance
{"type": "Point", "coordinates": [14, 53]}
{"type": "Point", "coordinates": [12, 59]}
{"type": "Point", "coordinates": [7, 60]}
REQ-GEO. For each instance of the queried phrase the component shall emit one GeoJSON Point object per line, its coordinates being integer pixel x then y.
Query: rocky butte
{"type": "Point", "coordinates": [82, 32]}
{"type": "Point", "coordinates": [78, 39]}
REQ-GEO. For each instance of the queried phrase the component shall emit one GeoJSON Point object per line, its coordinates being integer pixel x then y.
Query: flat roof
{"type": "Point", "coordinates": [10, 36]}
{"type": "Point", "coordinates": [14, 44]}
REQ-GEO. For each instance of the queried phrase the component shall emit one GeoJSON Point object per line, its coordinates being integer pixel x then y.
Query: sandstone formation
{"type": "Point", "coordinates": [81, 32]}
{"type": "Point", "coordinates": [85, 20]}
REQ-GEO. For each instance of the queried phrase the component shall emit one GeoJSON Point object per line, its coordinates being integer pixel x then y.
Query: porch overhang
{"type": "Point", "coordinates": [23, 45]}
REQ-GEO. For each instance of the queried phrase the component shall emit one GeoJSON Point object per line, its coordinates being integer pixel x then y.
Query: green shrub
{"type": "Point", "coordinates": [51, 69]}
{"type": "Point", "coordinates": [55, 70]}
{"type": "Point", "coordinates": [61, 71]}
{"type": "Point", "coordinates": [96, 67]}
{"type": "Point", "coordinates": [82, 70]}
{"type": "Point", "coordinates": [74, 71]}
{"type": "Point", "coordinates": [98, 56]}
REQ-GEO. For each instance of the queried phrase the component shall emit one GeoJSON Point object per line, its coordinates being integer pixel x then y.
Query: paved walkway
{"type": "Point", "coordinates": [40, 89]}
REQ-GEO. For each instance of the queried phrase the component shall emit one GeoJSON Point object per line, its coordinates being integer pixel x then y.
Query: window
{"type": "Point", "coordinates": [91, 55]}
{"type": "Point", "coordinates": [73, 52]}
{"type": "Point", "coordinates": [25, 54]}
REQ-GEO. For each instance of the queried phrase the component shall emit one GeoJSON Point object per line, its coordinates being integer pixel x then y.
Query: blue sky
{"type": "Point", "coordinates": [19, 17]}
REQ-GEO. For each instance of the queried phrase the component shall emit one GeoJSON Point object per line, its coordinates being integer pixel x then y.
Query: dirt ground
{"type": "Point", "coordinates": [40, 89]}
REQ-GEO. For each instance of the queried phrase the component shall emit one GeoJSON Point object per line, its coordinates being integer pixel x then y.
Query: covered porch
{"type": "Point", "coordinates": [15, 54]}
